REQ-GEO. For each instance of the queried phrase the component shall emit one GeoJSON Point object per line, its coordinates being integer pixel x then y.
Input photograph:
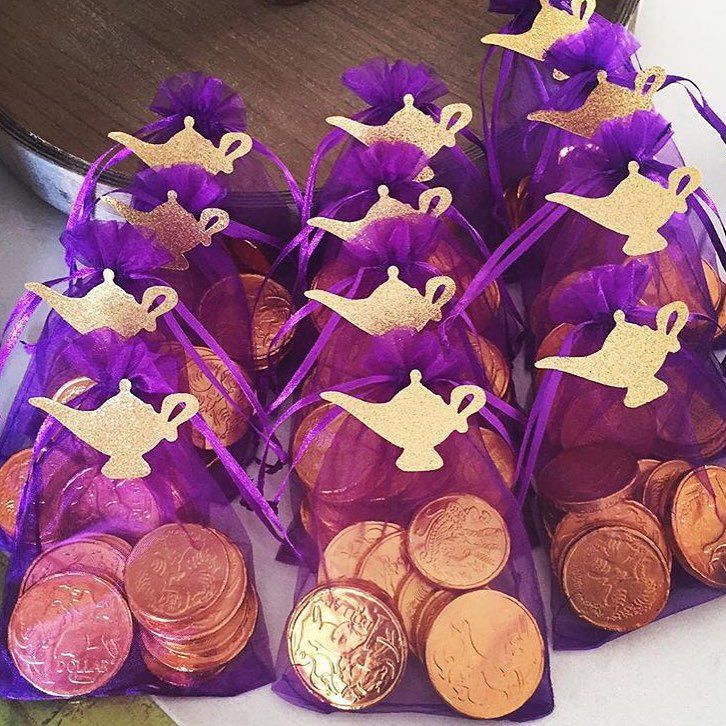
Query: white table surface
{"type": "Point", "coordinates": [672, 672]}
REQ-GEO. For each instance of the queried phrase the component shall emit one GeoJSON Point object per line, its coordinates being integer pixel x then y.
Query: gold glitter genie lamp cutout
{"type": "Point", "coordinates": [433, 201]}
{"type": "Point", "coordinates": [412, 126]}
{"type": "Point", "coordinates": [124, 427]}
{"type": "Point", "coordinates": [638, 207]}
{"type": "Point", "coordinates": [392, 305]}
{"type": "Point", "coordinates": [415, 419]}
{"type": "Point", "coordinates": [188, 146]}
{"type": "Point", "coordinates": [630, 357]}
{"type": "Point", "coordinates": [550, 25]}
{"type": "Point", "coordinates": [177, 230]}
{"type": "Point", "coordinates": [109, 306]}
{"type": "Point", "coordinates": [607, 102]}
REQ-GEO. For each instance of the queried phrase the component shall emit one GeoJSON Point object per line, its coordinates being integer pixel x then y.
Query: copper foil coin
{"type": "Point", "coordinates": [385, 564]}
{"type": "Point", "coordinates": [659, 486]}
{"type": "Point", "coordinates": [347, 646]}
{"type": "Point", "coordinates": [458, 541]}
{"type": "Point", "coordinates": [616, 578]}
{"type": "Point", "coordinates": [13, 477]}
{"type": "Point", "coordinates": [70, 634]}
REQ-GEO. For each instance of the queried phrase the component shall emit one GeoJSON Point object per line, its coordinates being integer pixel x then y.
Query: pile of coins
{"type": "Point", "coordinates": [387, 590]}
{"type": "Point", "coordinates": [72, 628]}
{"type": "Point", "coordinates": [613, 554]}
{"type": "Point", "coordinates": [188, 588]}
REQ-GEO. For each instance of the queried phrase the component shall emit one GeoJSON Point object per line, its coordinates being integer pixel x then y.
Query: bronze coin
{"type": "Point", "coordinates": [271, 307]}
{"type": "Point", "coordinates": [424, 619]}
{"type": "Point", "coordinates": [248, 256]}
{"type": "Point", "coordinates": [310, 463]}
{"type": "Point", "coordinates": [347, 646]}
{"type": "Point", "coordinates": [70, 634]}
{"type": "Point", "coordinates": [698, 522]}
{"type": "Point", "coordinates": [228, 423]}
{"type": "Point", "coordinates": [458, 541]}
{"type": "Point", "coordinates": [588, 478]}
{"type": "Point", "coordinates": [86, 554]}
{"type": "Point", "coordinates": [485, 654]}
{"type": "Point", "coordinates": [645, 468]}
{"type": "Point", "coordinates": [13, 477]}
{"type": "Point", "coordinates": [492, 360]}
{"type": "Point", "coordinates": [344, 554]}
{"type": "Point", "coordinates": [385, 564]}
{"type": "Point", "coordinates": [627, 514]}
{"type": "Point", "coordinates": [616, 578]}
{"type": "Point", "coordinates": [501, 454]}
{"type": "Point", "coordinates": [181, 679]}
{"type": "Point", "coordinates": [551, 516]}
{"type": "Point", "coordinates": [414, 591]}
{"type": "Point", "coordinates": [660, 484]}
{"type": "Point", "coordinates": [551, 345]}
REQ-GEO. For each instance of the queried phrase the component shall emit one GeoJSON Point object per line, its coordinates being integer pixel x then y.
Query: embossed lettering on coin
{"type": "Point", "coordinates": [485, 654]}
{"type": "Point", "coordinates": [70, 634]}
{"type": "Point", "coordinates": [458, 541]}
{"type": "Point", "coordinates": [346, 646]}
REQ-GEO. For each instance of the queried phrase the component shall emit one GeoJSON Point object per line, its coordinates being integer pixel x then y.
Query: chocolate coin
{"type": "Point", "coordinates": [385, 564]}
{"type": "Point", "coordinates": [13, 477]}
{"type": "Point", "coordinates": [412, 594]}
{"type": "Point", "coordinates": [347, 646]}
{"type": "Point", "coordinates": [660, 484]}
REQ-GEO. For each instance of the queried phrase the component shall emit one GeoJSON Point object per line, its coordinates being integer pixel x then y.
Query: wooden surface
{"type": "Point", "coordinates": [72, 70]}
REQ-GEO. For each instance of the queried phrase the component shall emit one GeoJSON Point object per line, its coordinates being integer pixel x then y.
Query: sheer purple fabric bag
{"type": "Point", "coordinates": [346, 473]}
{"type": "Point", "coordinates": [68, 502]}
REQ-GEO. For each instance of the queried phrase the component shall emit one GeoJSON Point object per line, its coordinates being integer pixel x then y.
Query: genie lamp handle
{"type": "Point", "coordinates": [434, 201]}
{"type": "Point", "coordinates": [583, 9]}
{"type": "Point", "coordinates": [650, 80]}
{"type": "Point", "coordinates": [191, 407]}
{"type": "Point", "coordinates": [454, 118]}
{"type": "Point", "coordinates": [676, 177]}
{"type": "Point", "coordinates": [228, 140]}
{"type": "Point", "coordinates": [662, 320]}
{"type": "Point", "coordinates": [220, 223]}
{"type": "Point", "coordinates": [478, 400]}
{"type": "Point", "coordinates": [441, 283]}
{"type": "Point", "coordinates": [169, 301]}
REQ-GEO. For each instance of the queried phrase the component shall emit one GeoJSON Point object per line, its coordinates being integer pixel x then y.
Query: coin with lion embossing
{"type": "Point", "coordinates": [616, 578]}
{"type": "Point", "coordinates": [70, 634]}
{"type": "Point", "coordinates": [458, 541]}
{"type": "Point", "coordinates": [346, 645]}
{"type": "Point", "coordinates": [485, 654]}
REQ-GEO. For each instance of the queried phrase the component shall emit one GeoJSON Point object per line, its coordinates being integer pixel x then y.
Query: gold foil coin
{"type": "Point", "coordinates": [346, 646]}
{"type": "Point", "coordinates": [412, 595]}
{"type": "Point", "coordinates": [13, 477]}
{"type": "Point", "coordinates": [458, 541]}
{"type": "Point", "coordinates": [485, 654]}
{"type": "Point", "coordinates": [616, 578]}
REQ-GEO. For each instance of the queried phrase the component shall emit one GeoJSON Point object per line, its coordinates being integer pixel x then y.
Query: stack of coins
{"type": "Point", "coordinates": [188, 588]}
{"type": "Point", "coordinates": [388, 587]}
{"type": "Point", "coordinates": [613, 554]}
{"type": "Point", "coordinates": [269, 306]}
{"type": "Point", "coordinates": [71, 628]}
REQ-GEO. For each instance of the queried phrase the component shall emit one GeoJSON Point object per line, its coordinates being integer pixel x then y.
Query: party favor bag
{"type": "Point", "coordinates": [424, 580]}
{"type": "Point", "coordinates": [129, 572]}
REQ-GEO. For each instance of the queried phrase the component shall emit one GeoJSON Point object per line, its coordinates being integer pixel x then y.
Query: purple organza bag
{"type": "Point", "coordinates": [392, 89]}
{"type": "Point", "coordinates": [66, 627]}
{"type": "Point", "coordinates": [348, 477]}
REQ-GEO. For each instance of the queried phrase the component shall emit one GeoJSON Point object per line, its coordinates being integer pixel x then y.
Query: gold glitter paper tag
{"type": "Point", "coordinates": [607, 102]}
{"type": "Point", "coordinates": [638, 207]}
{"type": "Point", "coordinates": [630, 357]}
{"type": "Point", "coordinates": [177, 230]}
{"type": "Point", "coordinates": [412, 126]}
{"type": "Point", "coordinates": [124, 427]}
{"type": "Point", "coordinates": [188, 146]}
{"type": "Point", "coordinates": [550, 25]}
{"type": "Point", "coordinates": [433, 201]}
{"type": "Point", "coordinates": [109, 306]}
{"type": "Point", "coordinates": [392, 305]}
{"type": "Point", "coordinates": [415, 419]}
